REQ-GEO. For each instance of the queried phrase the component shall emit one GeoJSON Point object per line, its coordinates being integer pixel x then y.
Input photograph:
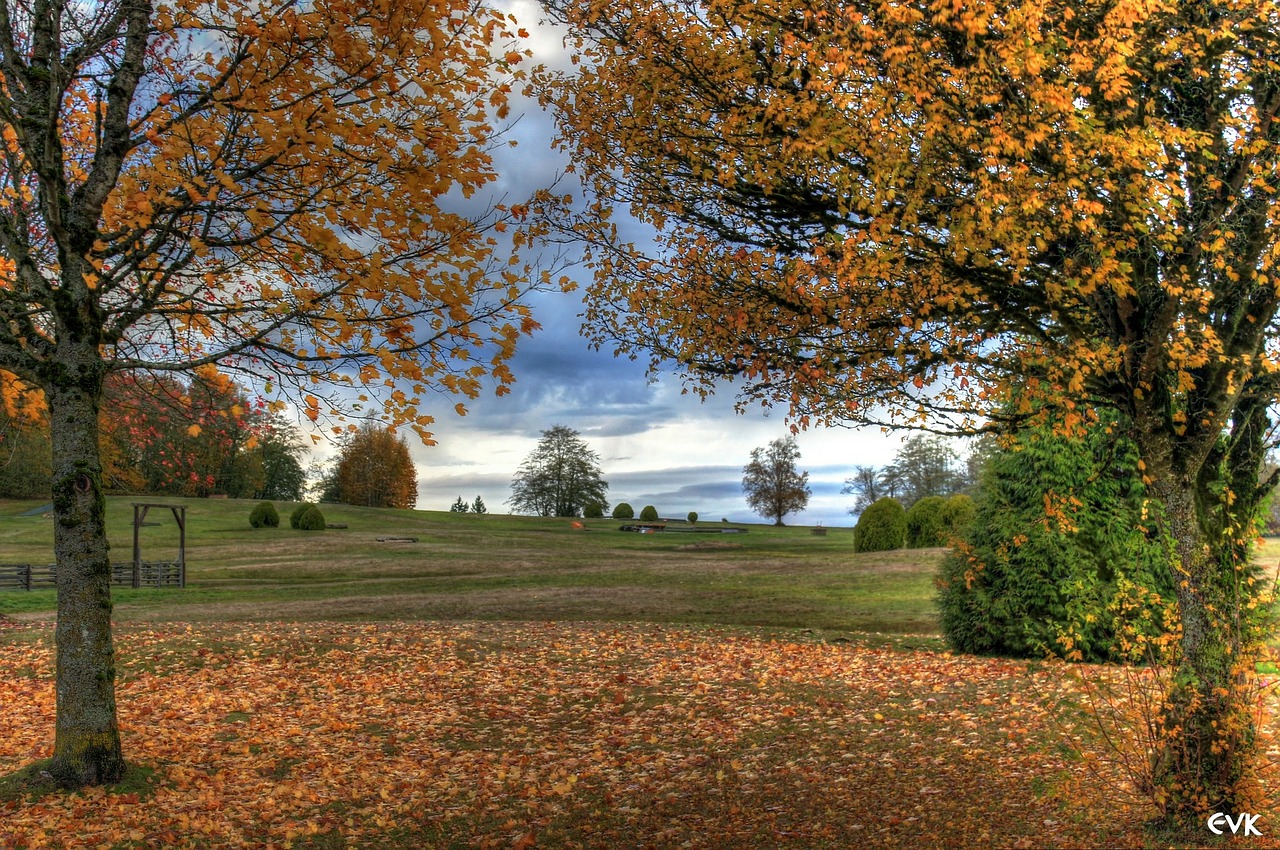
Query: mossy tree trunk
{"type": "Point", "coordinates": [1209, 501]}
{"type": "Point", "coordinates": [87, 740]}
{"type": "Point", "coordinates": [1208, 747]}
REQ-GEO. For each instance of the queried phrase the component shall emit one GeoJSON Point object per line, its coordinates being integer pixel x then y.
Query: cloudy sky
{"type": "Point", "coordinates": [656, 445]}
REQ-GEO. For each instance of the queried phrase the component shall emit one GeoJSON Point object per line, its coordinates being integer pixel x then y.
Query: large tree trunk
{"type": "Point", "coordinates": [1208, 744]}
{"type": "Point", "coordinates": [87, 741]}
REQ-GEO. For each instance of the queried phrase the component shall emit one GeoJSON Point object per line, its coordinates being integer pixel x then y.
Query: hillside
{"type": "Point", "coordinates": [495, 567]}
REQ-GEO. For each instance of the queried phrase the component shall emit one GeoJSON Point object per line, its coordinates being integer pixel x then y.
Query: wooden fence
{"type": "Point", "coordinates": [144, 574]}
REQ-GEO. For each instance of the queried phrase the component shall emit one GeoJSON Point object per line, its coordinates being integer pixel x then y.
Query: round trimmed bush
{"type": "Point", "coordinates": [956, 514]}
{"type": "Point", "coordinates": [593, 510]}
{"type": "Point", "coordinates": [311, 519]}
{"type": "Point", "coordinates": [649, 513]}
{"type": "Point", "coordinates": [925, 528]}
{"type": "Point", "coordinates": [264, 515]}
{"type": "Point", "coordinates": [623, 511]}
{"type": "Point", "coordinates": [882, 527]}
{"type": "Point", "coordinates": [297, 514]}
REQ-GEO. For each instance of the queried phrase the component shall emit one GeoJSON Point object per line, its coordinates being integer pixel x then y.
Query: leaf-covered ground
{"type": "Point", "coordinates": [494, 735]}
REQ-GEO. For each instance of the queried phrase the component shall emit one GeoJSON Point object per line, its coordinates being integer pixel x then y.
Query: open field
{"type": "Point", "coordinates": [761, 690]}
{"type": "Point", "coordinates": [493, 567]}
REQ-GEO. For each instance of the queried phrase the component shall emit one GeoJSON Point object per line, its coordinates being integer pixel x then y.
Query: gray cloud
{"type": "Point", "coordinates": [559, 380]}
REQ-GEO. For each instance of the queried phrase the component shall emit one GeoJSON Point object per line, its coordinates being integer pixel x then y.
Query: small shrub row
{"type": "Point", "coordinates": [306, 517]}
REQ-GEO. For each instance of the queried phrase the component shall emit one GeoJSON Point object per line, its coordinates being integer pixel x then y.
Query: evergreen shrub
{"type": "Point", "coordinates": [264, 515]}
{"type": "Point", "coordinates": [924, 523]}
{"type": "Point", "coordinates": [1062, 556]}
{"type": "Point", "coordinates": [311, 519]}
{"type": "Point", "coordinates": [882, 527]}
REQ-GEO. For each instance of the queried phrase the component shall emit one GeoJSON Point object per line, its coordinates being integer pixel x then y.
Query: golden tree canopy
{"type": "Point", "coordinates": [270, 186]}
{"type": "Point", "coordinates": [913, 204]}
{"type": "Point", "coordinates": [374, 469]}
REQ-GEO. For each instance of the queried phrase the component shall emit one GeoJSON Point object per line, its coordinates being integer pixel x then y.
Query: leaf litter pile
{"type": "Point", "coordinates": [558, 735]}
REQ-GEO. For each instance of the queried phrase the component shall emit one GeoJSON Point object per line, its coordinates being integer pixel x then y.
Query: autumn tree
{"type": "Point", "coordinates": [772, 484]}
{"type": "Point", "coordinates": [272, 187]}
{"type": "Point", "coordinates": [183, 436]}
{"type": "Point", "coordinates": [374, 470]}
{"type": "Point", "coordinates": [559, 477]}
{"type": "Point", "coordinates": [918, 212]}
{"type": "Point", "coordinates": [164, 435]}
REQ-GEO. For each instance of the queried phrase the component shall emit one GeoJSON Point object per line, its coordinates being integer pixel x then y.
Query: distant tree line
{"type": "Point", "coordinates": [162, 435]}
{"type": "Point", "coordinates": [925, 466]}
{"type": "Point", "coordinates": [201, 435]}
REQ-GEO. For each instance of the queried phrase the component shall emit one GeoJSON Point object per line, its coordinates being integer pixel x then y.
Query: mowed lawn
{"type": "Point", "coordinates": [496, 567]}
{"type": "Point", "coordinates": [510, 682]}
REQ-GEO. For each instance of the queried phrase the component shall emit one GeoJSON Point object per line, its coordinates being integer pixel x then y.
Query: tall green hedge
{"type": "Point", "coordinates": [881, 527]}
{"type": "Point", "coordinates": [1061, 556]}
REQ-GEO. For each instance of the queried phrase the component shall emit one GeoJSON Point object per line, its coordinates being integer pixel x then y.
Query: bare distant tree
{"type": "Point", "coordinates": [926, 465]}
{"type": "Point", "coordinates": [866, 485]}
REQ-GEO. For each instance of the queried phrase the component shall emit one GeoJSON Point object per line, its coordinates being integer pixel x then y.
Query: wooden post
{"type": "Point", "coordinates": [139, 514]}
{"type": "Point", "coordinates": [180, 516]}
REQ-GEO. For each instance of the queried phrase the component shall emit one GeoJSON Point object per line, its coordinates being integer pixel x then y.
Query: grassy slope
{"type": "Point", "coordinates": [496, 567]}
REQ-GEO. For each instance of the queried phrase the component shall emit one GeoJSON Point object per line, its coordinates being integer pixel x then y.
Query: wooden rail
{"type": "Point", "coordinates": [144, 574]}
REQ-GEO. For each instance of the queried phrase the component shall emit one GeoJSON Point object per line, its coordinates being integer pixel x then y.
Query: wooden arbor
{"type": "Point", "coordinates": [159, 572]}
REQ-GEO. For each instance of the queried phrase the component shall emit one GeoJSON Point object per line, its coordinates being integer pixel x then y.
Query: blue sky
{"type": "Point", "coordinates": [656, 445]}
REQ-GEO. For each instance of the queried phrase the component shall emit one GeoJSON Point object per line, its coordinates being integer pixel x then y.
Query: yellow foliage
{"type": "Point", "coordinates": [256, 206]}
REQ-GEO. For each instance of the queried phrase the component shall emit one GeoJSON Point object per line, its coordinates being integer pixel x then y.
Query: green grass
{"type": "Point", "coordinates": [33, 782]}
{"type": "Point", "coordinates": [495, 567]}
